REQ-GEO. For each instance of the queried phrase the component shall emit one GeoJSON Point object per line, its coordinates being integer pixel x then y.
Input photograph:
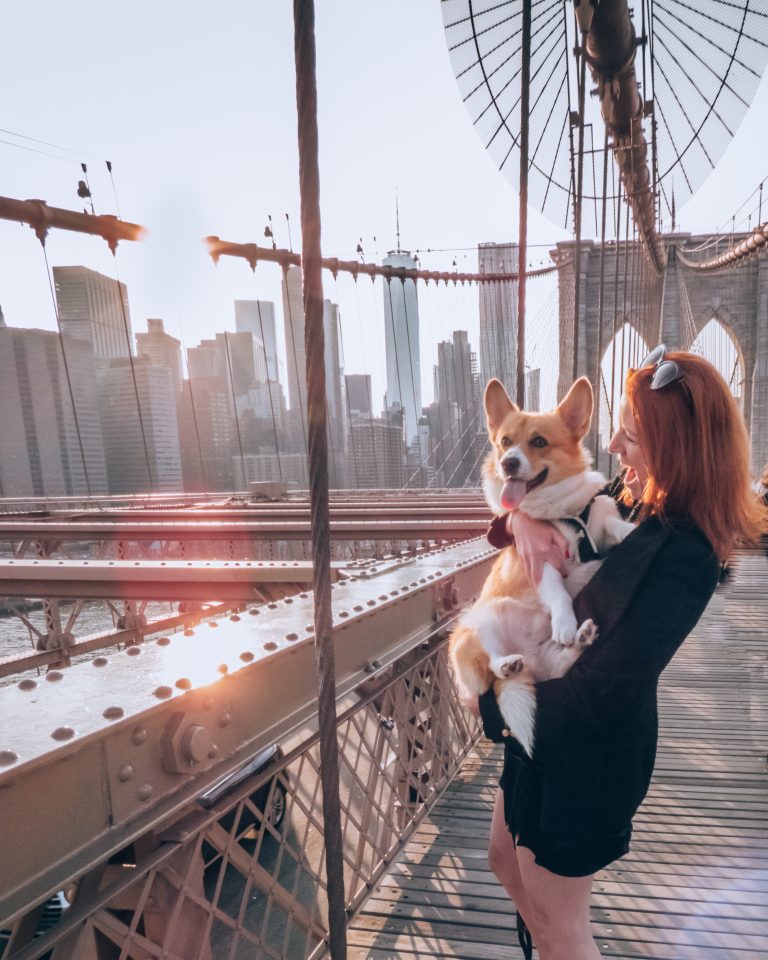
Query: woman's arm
{"type": "Point", "coordinates": [602, 687]}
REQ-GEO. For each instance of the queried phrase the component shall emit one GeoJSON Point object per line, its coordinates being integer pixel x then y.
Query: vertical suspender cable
{"type": "Point", "coordinates": [525, 90]}
{"type": "Point", "coordinates": [577, 204]}
{"type": "Point", "coordinates": [601, 298]}
{"type": "Point", "coordinates": [317, 415]}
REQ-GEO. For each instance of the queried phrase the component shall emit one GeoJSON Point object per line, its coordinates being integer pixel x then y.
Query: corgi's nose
{"type": "Point", "coordinates": [511, 466]}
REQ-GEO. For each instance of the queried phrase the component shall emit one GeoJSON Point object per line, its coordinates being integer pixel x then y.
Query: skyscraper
{"type": "Point", "coordinates": [162, 350]}
{"type": "Point", "coordinates": [296, 359]}
{"type": "Point", "coordinates": [141, 442]}
{"type": "Point", "coordinates": [236, 357]}
{"type": "Point", "coordinates": [401, 336]}
{"type": "Point", "coordinates": [498, 315]}
{"type": "Point", "coordinates": [207, 434]}
{"type": "Point", "coordinates": [40, 439]}
{"type": "Point", "coordinates": [337, 420]}
{"type": "Point", "coordinates": [293, 316]}
{"type": "Point", "coordinates": [359, 400]}
{"type": "Point", "coordinates": [258, 318]}
{"type": "Point", "coordinates": [94, 308]}
{"type": "Point", "coordinates": [457, 416]}
{"type": "Point", "coordinates": [377, 454]}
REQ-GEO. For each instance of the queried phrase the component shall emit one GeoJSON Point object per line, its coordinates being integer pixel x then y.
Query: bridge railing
{"type": "Point", "coordinates": [147, 831]}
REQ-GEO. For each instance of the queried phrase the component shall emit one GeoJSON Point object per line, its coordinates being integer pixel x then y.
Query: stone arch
{"type": "Point", "coordinates": [630, 349]}
{"type": "Point", "coordinates": [717, 341]}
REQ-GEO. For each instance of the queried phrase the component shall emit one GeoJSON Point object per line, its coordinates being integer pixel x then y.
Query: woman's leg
{"type": "Point", "coordinates": [559, 908]}
{"type": "Point", "coordinates": [502, 859]}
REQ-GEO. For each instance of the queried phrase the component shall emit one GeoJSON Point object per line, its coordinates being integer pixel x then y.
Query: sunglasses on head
{"type": "Point", "coordinates": [666, 372]}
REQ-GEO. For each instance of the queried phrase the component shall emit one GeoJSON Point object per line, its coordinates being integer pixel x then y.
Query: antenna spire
{"type": "Point", "coordinates": [397, 218]}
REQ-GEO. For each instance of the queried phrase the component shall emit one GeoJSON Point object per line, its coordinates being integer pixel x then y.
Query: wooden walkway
{"type": "Point", "coordinates": [695, 884]}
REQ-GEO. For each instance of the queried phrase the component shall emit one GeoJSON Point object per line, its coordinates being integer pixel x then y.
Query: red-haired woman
{"type": "Point", "coordinates": [566, 812]}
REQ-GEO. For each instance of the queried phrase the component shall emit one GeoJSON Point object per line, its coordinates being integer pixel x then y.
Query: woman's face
{"type": "Point", "coordinates": [625, 443]}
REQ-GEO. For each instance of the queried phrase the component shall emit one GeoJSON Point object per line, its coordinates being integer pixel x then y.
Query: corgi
{"type": "Point", "coordinates": [515, 635]}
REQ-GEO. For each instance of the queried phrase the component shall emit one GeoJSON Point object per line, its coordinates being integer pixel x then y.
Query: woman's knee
{"type": "Point", "coordinates": [500, 851]}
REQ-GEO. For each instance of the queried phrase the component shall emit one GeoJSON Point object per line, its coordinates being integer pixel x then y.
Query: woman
{"type": "Point", "coordinates": [566, 813]}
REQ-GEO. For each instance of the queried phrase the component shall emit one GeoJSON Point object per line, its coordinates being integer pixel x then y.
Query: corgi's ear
{"type": "Point", "coordinates": [497, 404]}
{"type": "Point", "coordinates": [575, 408]}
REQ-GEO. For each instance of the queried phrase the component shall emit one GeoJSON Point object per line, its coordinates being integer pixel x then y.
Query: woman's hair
{"type": "Point", "coordinates": [697, 452]}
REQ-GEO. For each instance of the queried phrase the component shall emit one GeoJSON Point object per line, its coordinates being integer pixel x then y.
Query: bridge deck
{"type": "Point", "coordinates": [695, 884]}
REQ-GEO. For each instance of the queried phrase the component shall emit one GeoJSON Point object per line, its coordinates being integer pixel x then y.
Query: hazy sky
{"type": "Point", "coordinates": [194, 104]}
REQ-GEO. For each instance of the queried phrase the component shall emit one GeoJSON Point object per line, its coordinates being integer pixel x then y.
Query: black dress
{"type": "Point", "coordinates": [572, 803]}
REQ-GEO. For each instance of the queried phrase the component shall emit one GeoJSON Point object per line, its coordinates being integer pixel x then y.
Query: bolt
{"type": "Point", "coordinates": [63, 733]}
{"type": "Point", "coordinates": [125, 773]}
{"type": "Point", "coordinates": [139, 735]}
{"type": "Point", "coordinates": [144, 792]}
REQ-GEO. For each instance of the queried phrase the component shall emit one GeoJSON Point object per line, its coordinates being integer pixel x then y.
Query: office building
{"type": "Point", "coordinates": [207, 435]}
{"type": "Point", "coordinates": [498, 315]}
{"type": "Point", "coordinates": [140, 428]}
{"type": "Point", "coordinates": [258, 317]}
{"type": "Point", "coordinates": [458, 404]}
{"type": "Point", "coordinates": [41, 438]}
{"type": "Point", "coordinates": [378, 456]}
{"type": "Point", "coordinates": [401, 337]}
{"type": "Point", "coordinates": [359, 397]}
{"type": "Point", "coordinates": [293, 315]}
{"type": "Point", "coordinates": [94, 309]}
{"type": "Point", "coordinates": [162, 350]}
{"type": "Point", "coordinates": [295, 356]}
{"type": "Point", "coordinates": [237, 358]}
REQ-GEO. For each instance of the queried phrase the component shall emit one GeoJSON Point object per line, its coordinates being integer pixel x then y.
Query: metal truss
{"type": "Point", "coordinates": [243, 877]}
{"type": "Point", "coordinates": [128, 745]}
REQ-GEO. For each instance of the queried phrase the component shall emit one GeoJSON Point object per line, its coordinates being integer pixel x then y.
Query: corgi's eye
{"type": "Point", "coordinates": [539, 442]}
{"type": "Point", "coordinates": [505, 442]}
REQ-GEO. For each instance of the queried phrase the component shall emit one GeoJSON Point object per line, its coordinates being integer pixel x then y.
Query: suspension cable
{"type": "Point", "coordinates": [309, 176]}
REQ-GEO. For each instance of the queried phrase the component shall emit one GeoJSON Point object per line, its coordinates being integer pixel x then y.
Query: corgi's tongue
{"type": "Point", "coordinates": [513, 493]}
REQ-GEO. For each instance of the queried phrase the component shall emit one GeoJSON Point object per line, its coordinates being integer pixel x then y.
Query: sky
{"type": "Point", "coordinates": [194, 105]}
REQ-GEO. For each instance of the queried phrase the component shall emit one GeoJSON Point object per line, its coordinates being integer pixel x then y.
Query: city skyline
{"type": "Point", "coordinates": [112, 410]}
{"type": "Point", "coordinates": [193, 159]}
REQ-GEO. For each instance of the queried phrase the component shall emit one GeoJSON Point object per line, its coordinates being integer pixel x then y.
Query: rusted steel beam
{"type": "Point", "coordinates": [611, 45]}
{"type": "Point", "coordinates": [254, 254]}
{"type": "Point", "coordinates": [151, 579]}
{"type": "Point", "coordinates": [107, 739]}
{"type": "Point", "coordinates": [42, 218]}
{"type": "Point", "coordinates": [370, 529]}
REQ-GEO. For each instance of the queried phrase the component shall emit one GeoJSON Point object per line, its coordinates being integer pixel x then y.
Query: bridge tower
{"type": "Point", "coordinates": [673, 309]}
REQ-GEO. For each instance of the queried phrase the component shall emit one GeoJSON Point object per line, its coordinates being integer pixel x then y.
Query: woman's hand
{"type": "Point", "coordinates": [538, 542]}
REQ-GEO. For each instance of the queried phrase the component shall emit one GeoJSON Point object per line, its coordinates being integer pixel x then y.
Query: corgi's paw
{"type": "Point", "coordinates": [564, 628]}
{"type": "Point", "coordinates": [587, 633]}
{"type": "Point", "coordinates": [505, 667]}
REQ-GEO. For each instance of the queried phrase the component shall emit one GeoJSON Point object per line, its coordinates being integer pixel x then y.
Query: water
{"type": "Point", "coordinates": [94, 617]}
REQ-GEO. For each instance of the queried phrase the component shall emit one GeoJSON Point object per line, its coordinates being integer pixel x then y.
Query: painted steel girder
{"type": "Point", "coordinates": [126, 743]}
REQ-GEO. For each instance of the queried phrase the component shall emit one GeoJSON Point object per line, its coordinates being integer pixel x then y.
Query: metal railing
{"type": "Point", "coordinates": [241, 874]}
